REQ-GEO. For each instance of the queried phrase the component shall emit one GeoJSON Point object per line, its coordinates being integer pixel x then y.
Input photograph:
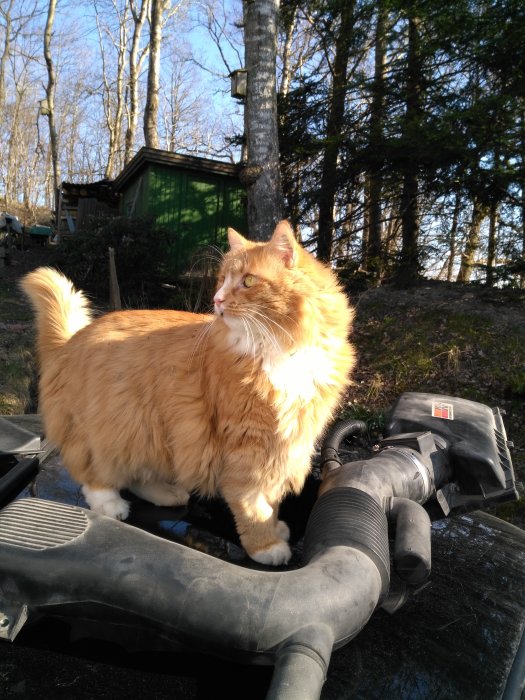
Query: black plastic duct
{"type": "Point", "coordinates": [62, 560]}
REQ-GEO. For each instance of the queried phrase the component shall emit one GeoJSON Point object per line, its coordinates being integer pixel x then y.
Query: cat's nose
{"type": "Point", "coordinates": [218, 300]}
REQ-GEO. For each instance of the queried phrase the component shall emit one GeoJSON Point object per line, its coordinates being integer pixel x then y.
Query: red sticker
{"type": "Point", "coordinates": [443, 410]}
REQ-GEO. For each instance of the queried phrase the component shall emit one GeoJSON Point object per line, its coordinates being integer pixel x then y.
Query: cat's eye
{"type": "Point", "coordinates": [249, 280]}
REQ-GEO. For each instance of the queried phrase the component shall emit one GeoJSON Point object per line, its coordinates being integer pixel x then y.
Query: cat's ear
{"type": "Point", "coordinates": [236, 241]}
{"type": "Point", "coordinates": [284, 243]}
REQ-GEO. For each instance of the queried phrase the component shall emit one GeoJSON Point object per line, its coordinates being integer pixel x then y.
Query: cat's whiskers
{"type": "Point", "coordinates": [284, 316]}
{"type": "Point", "coordinates": [251, 344]}
{"type": "Point", "coordinates": [201, 342]}
{"type": "Point", "coordinates": [268, 319]}
{"type": "Point", "coordinates": [211, 254]}
{"type": "Point", "coordinates": [265, 334]}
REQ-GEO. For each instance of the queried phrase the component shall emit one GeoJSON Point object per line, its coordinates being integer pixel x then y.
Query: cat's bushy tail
{"type": "Point", "coordinates": [60, 309]}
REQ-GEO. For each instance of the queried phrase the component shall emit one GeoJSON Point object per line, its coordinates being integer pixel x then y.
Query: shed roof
{"type": "Point", "coordinates": [154, 155]}
{"type": "Point", "coordinates": [102, 190]}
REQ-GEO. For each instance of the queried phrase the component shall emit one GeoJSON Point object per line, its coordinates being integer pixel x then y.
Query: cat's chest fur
{"type": "Point", "coordinates": [295, 374]}
{"type": "Point", "coordinates": [298, 374]}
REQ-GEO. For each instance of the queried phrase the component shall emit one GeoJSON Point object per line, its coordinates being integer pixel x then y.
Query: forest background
{"type": "Point", "coordinates": [402, 123]}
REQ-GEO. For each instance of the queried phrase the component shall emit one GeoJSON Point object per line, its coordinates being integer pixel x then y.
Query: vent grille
{"type": "Point", "coordinates": [36, 524]}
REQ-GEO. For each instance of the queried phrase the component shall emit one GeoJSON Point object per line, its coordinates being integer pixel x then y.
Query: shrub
{"type": "Point", "coordinates": [140, 260]}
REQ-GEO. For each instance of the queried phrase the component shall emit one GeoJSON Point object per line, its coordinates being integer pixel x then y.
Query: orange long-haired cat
{"type": "Point", "coordinates": [165, 403]}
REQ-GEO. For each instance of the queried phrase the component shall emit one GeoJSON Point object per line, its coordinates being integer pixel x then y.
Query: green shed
{"type": "Point", "coordinates": [195, 198]}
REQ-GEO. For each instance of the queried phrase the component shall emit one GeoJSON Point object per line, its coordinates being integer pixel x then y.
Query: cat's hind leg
{"type": "Point", "coordinates": [160, 493]}
{"type": "Point", "coordinates": [100, 491]}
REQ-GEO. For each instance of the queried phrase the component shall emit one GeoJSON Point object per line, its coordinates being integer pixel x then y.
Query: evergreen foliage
{"type": "Point", "coordinates": [431, 143]}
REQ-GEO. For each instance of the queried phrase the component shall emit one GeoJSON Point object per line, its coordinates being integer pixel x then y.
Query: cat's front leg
{"type": "Point", "coordinates": [106, 501]}
{"type": "Point", "coordinates": [263, 536]}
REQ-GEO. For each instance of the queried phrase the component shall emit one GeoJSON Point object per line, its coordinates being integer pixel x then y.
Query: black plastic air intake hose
{"type": "Point", "coordinates": [18, 476]}
{"type": "Point", "coordinates": [72, 562]}
{"type": "Point", "coordinates": [412, 547]}
{"type": "Point", "coordinates": [334, 438]}
{"type": "Point", "coordinates": [62, 558]}
{"type": "Point", "coordinates": [351, 518]}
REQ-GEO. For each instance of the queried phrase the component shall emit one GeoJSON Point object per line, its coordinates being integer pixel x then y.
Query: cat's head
{"type": "Point", "coordinates": [262, 288]}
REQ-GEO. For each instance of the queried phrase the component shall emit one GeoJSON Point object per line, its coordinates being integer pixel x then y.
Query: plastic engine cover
{"type": "Point", "coordinates": [477, 446]}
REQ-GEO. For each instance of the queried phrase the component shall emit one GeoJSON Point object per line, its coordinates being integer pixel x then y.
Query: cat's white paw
{"type": "Point", "coordinates": [283, 531]}
{"type": "Point", "coordinates": [106, 502]}
{"type": "Point", "coordinates": [276, 555]}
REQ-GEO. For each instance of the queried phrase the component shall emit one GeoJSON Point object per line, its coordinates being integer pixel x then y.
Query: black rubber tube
{"type": "Point", "coordinates": [17, 478]}
{"type": "Point", "coordinates": [334, 438]}
{"type": "Point", "coordinates": [110, 571]}
{"type": "Point", "coordinates": [343, 429]}
{"type": "Point", "coordinates": [71, 562]}
{"type": "Point", "coordinates": [301, 665]}
{"type": "Point", "coordinates": [349, 517]}
{"type": "Point", "coordinates": [392, 472]}
{"type": "Point", "coordinates": [412, 545]}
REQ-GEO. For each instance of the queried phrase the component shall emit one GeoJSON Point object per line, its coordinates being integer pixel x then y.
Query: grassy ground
{"type": "Point", "coordinates": [17, 365]}
{"type": "Point", "coordinates": [442, 338]}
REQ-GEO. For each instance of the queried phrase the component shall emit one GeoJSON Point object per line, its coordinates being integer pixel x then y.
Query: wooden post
{"type": "Point", "coordinates": [114, 292]}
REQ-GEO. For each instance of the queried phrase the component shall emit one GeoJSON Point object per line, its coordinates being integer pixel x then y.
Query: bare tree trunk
{"type": "Point", "coordinates": [5, 12]}
{"type": "Point", "coordinates": [262, 173]}
{"type": "Point", "coordinates": [408, 268]}
{"type": "Point", "coordinates": [472, 244]}
{"type": "Point", "coordinates": [453, 236]}
{"type": "Point", "coordinates": [136, 59]}
{"type": "Point", "coordinates": [365, 236]}
{"type": "Point", "coordinates": [375, 176]}
{"type": "Point", "coordinates": [49, 109]}
{"type": "Point", "coordinates": [334, 127]}
{"type": "Point", "coordinates": [286, 75]}
{"type": "Point", "coordinates": [151, 110]}
{"type": "Point", "coordinates": [14, 149]}
{"type": "Point", "coordinates": [113, 92]}
{"type": "Point", "coordinates": [491, 251]}
{"type": "Point", "coordinates": [291, 174]}
{"type": "Point", "coordinates": [522, 274]}
{"type": "Point", "coordinates": [522, 183]}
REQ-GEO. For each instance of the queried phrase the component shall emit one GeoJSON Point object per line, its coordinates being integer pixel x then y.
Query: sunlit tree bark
{"type": "Point", "coordinates": [468, 257]}
{"type": "Point", "coordinates": [151, 109]}
{"type": "Point", "coordinates": [49, 106]}
{"type": "Point", "coordinates": [137, 56]}
{"type": "Point", "coordinates": [262, 172]}
{"type": "Point", "coordinates": [113, 90]}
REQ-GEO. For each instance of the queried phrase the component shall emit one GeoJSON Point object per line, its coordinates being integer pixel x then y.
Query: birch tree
{"type": "Point", "coordinates": [161, 11]}
{"type": "Point", "coordinates": [262, 173]}
{"type": "Point", "coordinates": [151, 109]}
{"type": "Point", "coordinates": [113, 90]}
{"type": "Point", "coordinates": [48, 106]}
{"type": "Point", "coordinates": [7, 22]}
{"type": "Point", "coordinates": [140, 11]}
